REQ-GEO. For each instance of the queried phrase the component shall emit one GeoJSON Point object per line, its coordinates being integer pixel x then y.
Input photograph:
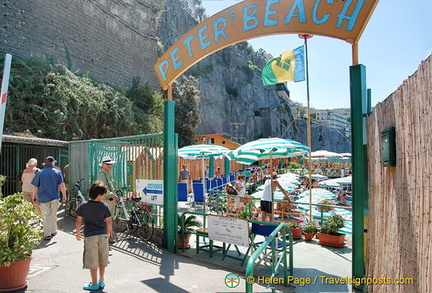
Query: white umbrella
{"type": "Point", "coordinates": [324, 154]}
{"type": "Point", "coordinates": [336, 182]}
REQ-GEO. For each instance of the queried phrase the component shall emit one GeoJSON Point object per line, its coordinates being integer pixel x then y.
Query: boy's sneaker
{"type": "Point", "coordinates": [91, 287]}
{"type": "Point", "coordinates": [101, 284]}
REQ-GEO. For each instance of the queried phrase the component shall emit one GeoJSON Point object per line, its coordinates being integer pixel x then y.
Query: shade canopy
{"type": "Point", "coordinates": [268, 148]}
{"type": "Point", "coordinates": [337, 182]}
{"type": "Point", "coordinates": [200, 151]}
{"type": "Point", "coordinates": [325, 154]}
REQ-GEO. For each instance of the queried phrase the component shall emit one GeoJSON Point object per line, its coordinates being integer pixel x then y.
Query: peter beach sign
{"type": "Point", "coordinates": [341, 19]}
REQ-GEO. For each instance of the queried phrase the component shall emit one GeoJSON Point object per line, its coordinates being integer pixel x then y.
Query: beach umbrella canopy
{"type": "Point", "coordinates": [267, 148]}
{"type": "Point", "coordinates": [324, 154]}
{"type": "Point", "coordinates": [336, 182]}
{"type": "Point", "coordinates": [200, 151]}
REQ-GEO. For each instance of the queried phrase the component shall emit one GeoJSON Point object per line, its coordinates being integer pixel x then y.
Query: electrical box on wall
{"type": "Point", "coordinates": [388, 147]}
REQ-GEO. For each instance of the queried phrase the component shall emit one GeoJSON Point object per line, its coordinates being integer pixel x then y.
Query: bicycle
{"type": "Point", "coordinates": [74, 202]}
{"type": "Point", "coordinates": [137, 220]}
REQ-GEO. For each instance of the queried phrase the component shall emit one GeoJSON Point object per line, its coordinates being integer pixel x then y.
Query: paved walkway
{"type": "Point", "coordinates": [138, 267]}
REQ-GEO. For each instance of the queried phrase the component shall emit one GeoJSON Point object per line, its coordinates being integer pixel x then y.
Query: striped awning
{"type": "Point", "coordinates": [268, 148]}
{"type": "Point", "coordinates": [202, 151]}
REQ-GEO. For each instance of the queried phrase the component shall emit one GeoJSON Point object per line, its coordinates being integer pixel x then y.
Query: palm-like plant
{"type": "Point", "coordinates": [189, 223]}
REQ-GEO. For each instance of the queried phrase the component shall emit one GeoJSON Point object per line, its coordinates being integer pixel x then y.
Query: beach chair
{"type": "Point", "coordinates": [182, 190]}
{"type": "Point", "coordinates": [218, 183]}
{"type": "Point", "coordinates": [198, 192]}
{"type": "Point", "coordinates": [265, 231]}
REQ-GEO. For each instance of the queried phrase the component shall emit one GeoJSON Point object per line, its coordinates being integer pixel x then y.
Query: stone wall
{"type": "Point", "coordinates": [113, 41]}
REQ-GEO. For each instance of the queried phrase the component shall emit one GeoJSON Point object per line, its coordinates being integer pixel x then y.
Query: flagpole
{"type": "Point", "coordinates": [305, 37]}
{"type": "Point", "coordinates": [3, 93]}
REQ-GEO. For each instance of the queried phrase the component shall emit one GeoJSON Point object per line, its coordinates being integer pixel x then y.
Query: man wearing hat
{"type": "Point", "coordinates": [105, 176]}
{"type": "Point", "coordinates": [46, 185]}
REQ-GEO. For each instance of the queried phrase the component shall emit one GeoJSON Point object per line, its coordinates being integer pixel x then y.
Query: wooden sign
{"type": "Point", "coordinates": [341, 19]}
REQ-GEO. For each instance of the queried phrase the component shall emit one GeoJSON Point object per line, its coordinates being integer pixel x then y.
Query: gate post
{"type": "Point", "coordinates": [170, 178]}
{"type": "Point", "coordinates": [359, 166]}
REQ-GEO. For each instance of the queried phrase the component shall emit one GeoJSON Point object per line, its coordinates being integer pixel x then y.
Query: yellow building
{"type": "Point", "coordinates": [222, 139]}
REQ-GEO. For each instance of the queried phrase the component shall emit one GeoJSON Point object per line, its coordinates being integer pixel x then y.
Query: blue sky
{"type": "Point", "coordinates": [396, 40]}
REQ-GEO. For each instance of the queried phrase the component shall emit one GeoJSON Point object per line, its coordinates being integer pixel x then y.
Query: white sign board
{"type": "Point", "coordinates": [228, 230]}
{"type": "Point", "coordinates": [150, 191]}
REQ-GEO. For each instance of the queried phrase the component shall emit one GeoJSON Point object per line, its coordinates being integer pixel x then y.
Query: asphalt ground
{"type": "Point", "coordinates": [135, 266]}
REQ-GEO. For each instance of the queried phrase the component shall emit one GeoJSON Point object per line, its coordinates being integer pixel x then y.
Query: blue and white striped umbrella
{"type": "Point", "coordinates": [268, 148]}
{"type": "Point", "coordinates": [200, 151]}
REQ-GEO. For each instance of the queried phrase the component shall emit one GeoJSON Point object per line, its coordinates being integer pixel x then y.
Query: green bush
{"type": "Point", "coordinates": [332, 225]}
{"type": "Point", "coordinates": [50, 101]}
{"type": "Point", "coordinates": [19, 229]}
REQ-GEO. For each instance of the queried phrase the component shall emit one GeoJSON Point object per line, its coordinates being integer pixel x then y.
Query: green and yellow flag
{"type": "Point", "coordinates": [289, 66]}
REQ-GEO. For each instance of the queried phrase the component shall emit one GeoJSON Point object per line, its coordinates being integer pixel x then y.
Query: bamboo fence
{"type": "Point", "coordinates": [400, 204]}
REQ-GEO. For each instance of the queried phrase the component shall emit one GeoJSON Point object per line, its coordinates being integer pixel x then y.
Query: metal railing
{"type": "Point", "coordinates": [279, 254]}
{"type": "Point", "coordinates": [283, 254]}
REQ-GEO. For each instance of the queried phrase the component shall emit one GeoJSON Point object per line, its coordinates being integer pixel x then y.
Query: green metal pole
{"type": "Point", "coordinates": [359, 182]}
{"type": "Point", "coordinates": [170, 176]}
{"type": "Point", "coordinates": [211, 168]}
{"type": "Point", "coordinates": [227, 166]}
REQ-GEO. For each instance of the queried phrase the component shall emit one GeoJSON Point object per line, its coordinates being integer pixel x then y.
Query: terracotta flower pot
{"type": "Point", "coordinates": [186, 241]}
{"type": "Point", "coordinates": [14, 277]}
{"type": "Point", "coordinates": [332, 240]}
{"type": "Point", "coordinates": [309, 236]}
{"type": "Point", "coordinates": [297, 233]}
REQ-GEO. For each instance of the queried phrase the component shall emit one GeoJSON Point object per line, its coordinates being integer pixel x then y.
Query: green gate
{"type": "Point", "coordinates": [138, 157]}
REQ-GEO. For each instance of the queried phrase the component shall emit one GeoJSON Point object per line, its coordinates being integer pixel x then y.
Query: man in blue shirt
{"type": "Point", "coordinates": [46, 185]}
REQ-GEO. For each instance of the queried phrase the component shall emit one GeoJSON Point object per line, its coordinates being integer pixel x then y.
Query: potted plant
{"type": "Point", "coordinates": [190, 222]}
{"type": "Point", "coordinates": [296, 230]}
{"type": "Point", "coordinates": [309, 231]}
{"type": "Point", "coordinates": [20, 233]}
{"type": "Point", "coordinates": [326, 202]}
{"type": "Point", "coordinates": [329, 234]}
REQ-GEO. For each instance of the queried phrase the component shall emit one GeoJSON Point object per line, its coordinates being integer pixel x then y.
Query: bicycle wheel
{"type": "Point", "coordinates": [70, 208]}
{"type": "Point", "coordinates": [145, 226]}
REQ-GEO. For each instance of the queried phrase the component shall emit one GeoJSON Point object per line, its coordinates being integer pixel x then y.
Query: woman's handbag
{"type": "Point", "coordinates": [229, 188]}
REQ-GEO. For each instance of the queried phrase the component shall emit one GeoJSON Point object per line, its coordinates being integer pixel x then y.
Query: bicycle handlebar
{"type": "Point", "coordinates": [119, 191]}
{"type": "Point", "coordinates": [78, 183]}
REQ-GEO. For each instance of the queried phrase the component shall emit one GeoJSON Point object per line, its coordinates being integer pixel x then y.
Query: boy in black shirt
{"type": "Point", "coordinates": [97, 228]}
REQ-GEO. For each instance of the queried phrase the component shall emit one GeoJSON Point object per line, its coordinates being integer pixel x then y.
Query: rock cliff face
{"type": "Point", "coordinates": [233, 99]}
{"type": "Point", "coordinates": [115, 41]}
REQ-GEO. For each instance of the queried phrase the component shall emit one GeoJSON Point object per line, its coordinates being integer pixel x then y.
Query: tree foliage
{"type": "Point", "coordinates": [148, 107]}
{"type": "Point", "coordinates": [187, 99]}
{"type": "Point", "coordinates": [52, 102]}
